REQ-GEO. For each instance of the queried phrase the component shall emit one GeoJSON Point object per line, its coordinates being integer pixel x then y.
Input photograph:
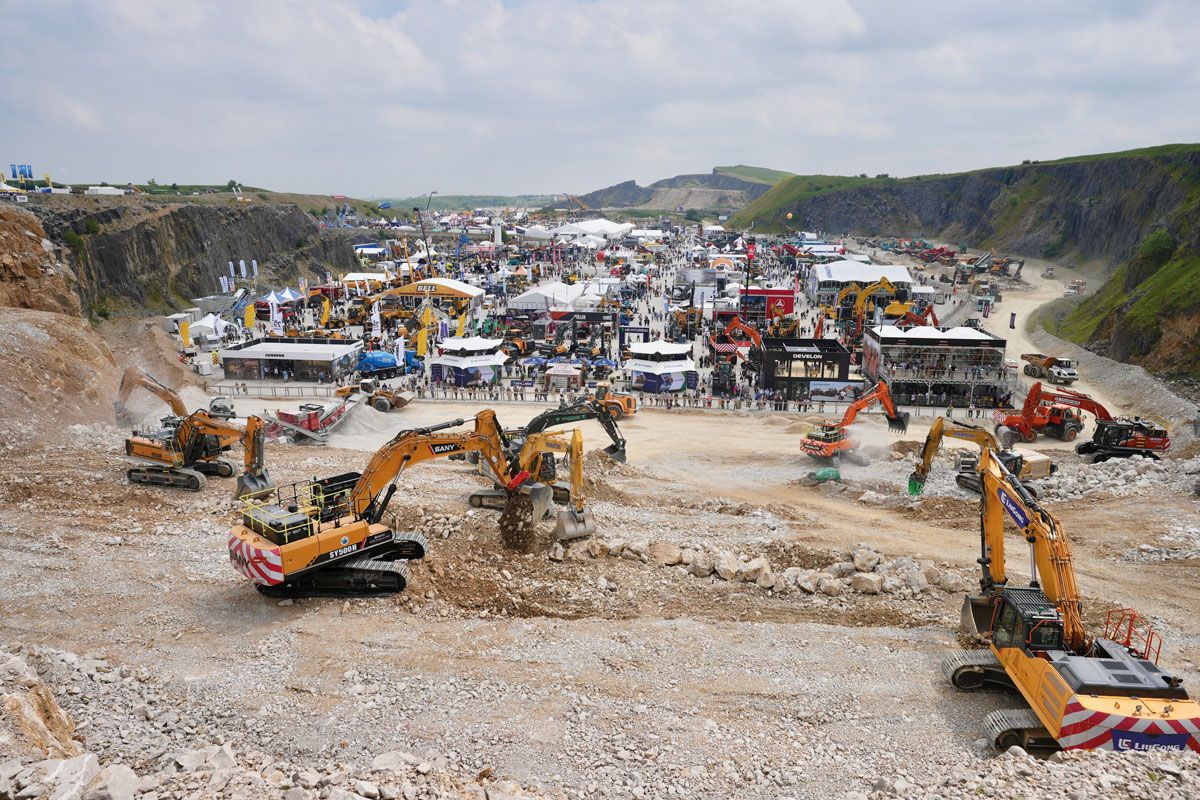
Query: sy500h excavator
{"type": "Point", "coordinates": [832, 439]}
{"type": "Point", "coordinates": [1026, 466]}
{"type": "Point", "coordinates": [326, 536]}
{"type": "Point", "coordinates": [1083, 691]}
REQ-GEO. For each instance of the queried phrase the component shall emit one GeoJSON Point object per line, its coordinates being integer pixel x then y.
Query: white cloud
{"type": "Point", "coordinates": [382, 97]}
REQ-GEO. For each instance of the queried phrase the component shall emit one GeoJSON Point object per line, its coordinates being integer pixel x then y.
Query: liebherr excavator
{"type": "Point", "coordinates": [186, 450]}
{"type": "Point", "coordinates": [326, 536]}
{"type": "Point", "coordinates": [136, 377]}
{"type": "Point", "coordinates": [1083, 692]}
{"type": "Point", "coordinates": [1026, 466]}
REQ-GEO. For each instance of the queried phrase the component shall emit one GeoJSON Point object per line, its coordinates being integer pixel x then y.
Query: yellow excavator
{"type": "Point", "coordinates": [326, 536]}
{"type": "Point", "coordinates": [1026, 466]}
{"type": "Point", "coordinates": [1083, 692]}
{"type": "Point", "coordinates": [137, 378]}
{"type": "Point", "coordinates": [536, 457]}
{"type": "Point", "coordinates": [186, 450]}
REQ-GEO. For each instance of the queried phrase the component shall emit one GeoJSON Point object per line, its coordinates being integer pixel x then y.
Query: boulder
{"type": "Point", "coordinates": [597, 548]}
{"type": "Point", "coordinates": [727, 566]}
{"type": "Point", "coordinates": [842, 569]}
{"type": "Point", "coordinates": [865, 559]}
{"type": "Point", "coordinates": [806, 580]}
{"type": "Point", "coordinates": [394, 760]}
{"type": "Point", "coordinates": [115, 782]}
{"type": "Point", "coordinates": [701, 565]}
{"type": "Point", "coordinates": [665, 554]}
{"type": "Point", "coordinates": [831, 586]}
{"type": "Point", "coordinates": [866, 583]}
{"type": "Point", "coordinates": [766, 580]}
{"type": "Point", "coordinates": [752, 570]}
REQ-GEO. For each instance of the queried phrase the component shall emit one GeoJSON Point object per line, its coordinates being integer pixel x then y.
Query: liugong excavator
{"type": "Point", "coordinates": [1083, 692]}
{"type": "Point", "coordinates": [326, 536]}
{"type": "Point", "coordinates": [832, 438]}
{"type": "Point", "coordinates": [1026, 466]}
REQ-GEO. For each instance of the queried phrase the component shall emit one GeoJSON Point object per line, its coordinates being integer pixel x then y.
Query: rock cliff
{"type": "Point", "coordinates": [144, 254]}
{"type": "Point", "coordinates": [32, 274]}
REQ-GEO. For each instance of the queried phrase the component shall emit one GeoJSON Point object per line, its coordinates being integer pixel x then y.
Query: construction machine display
{"type": "Point", "coordinates": [1053, 369]}
{"type": "Point", "coordinates": [137, 378]}
{"type": "Point", "coordinates": [1082, 691]}
{"type": "Point", "coordinates": [1056, 413]}
{"type": "Point", "coordinates": [327, 535]}
{"type": "Point", "coordinates": [832, 439]}
{"type": "Point", "coordinates": [1025, 465]}
{"type": "Point", "coordinates": [378, 395]}
{"type": "Point", "coordinates": [181, 454]}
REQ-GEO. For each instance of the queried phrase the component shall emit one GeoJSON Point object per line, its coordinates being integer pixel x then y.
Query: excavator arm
{"type": "Point", "coordinates": [590, 408]}
{"type": "Point", "coordinates": [897, 421]}
{"type": "Point", "coordinates": [255, 479]}
{"type": "Point", "coordinates": [136, 377]}
{"type": "Point", "coordinates": [1069, 397]}
{"type": "Point", "coordinates": [374, 488]}
{"type": "Point", "coordinates": [933, 443]}
{"type": "Point", "coordinates": [1052, 562]}
{"type": "Point", "coordinates": [576, 520]}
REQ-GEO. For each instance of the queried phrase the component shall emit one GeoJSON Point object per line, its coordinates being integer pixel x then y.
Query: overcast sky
{"type": "Point", "coordinates": [391, 98]}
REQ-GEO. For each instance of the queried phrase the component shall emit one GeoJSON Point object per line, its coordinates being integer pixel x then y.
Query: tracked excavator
{"type": "Point", "coordinates": [1026, 466]}
{"type": "Point", "coordinates": [1083, 692]}
{"type": "Point", "coordinates": [1056, 412]}
{"type": "Point", "coordinates": [832, 439]}
{"type": "Point", "coordinates": [188, 449]}
{"type": "Point", "coordinates": [326, 536]}
{"type": "Point", "coordinates": [536, 458]}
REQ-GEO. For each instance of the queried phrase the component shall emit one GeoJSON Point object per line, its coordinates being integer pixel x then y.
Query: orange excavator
{"type": "Point", "coordinates": [136, 377]}
{"type": "Point", "coordinates": [832, 438]}
{"type": "Point", "coordinates": [327, 536]}
{"type": "Point", "coordinates": [913, 320]}
{"type": "Point", "coordinates": [1056, 413]}
{"type": "Point", "coordinates": [726, 345]}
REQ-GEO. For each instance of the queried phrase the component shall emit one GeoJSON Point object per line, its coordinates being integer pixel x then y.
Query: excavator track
{"type": "Point", "coordinates": [174, 477]}
{"type": "Point", "coordinates": [381, 572]}
{"type": "Point", "coordinates": [975, 670]}
{"type": "Point", "coordinates": [218, 467]}
{"type": "Point", "coordinates": [1019, 727]}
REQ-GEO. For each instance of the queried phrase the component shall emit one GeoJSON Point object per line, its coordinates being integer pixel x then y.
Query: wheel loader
{"type": "Point", "coordinates": [378, 395]}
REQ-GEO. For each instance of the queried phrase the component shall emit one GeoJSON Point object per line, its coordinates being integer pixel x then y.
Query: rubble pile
{"type": "Point", "coordinates": [1120, 477]}
{"type": "Point", "coordinates": [1181, 544]}
{"type": "Point", "coordinates": [864, 570]}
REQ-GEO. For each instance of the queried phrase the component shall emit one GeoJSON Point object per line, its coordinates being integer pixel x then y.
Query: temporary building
{"type": "Point", "coordinates": [546, 296]}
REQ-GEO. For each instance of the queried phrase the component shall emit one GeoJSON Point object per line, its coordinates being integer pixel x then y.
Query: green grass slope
{"type": "Point", "coordinates": [753, 174]}
{"type": "Point", "coordinates": [793, 190]}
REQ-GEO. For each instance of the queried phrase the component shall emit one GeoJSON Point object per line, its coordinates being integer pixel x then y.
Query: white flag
{"type": "Point", "coordinates": [276, 319]}
{"type": "Point", "coordinates": [242, 266]}
{"type": "Point", "coordinates": [231, 270]}
{"type": "Point", "coordinates": [224, 285]}
{"type": "Point", "coordinates": [376, 321]}
{"type": "Point", "coordinates": [254, 267]}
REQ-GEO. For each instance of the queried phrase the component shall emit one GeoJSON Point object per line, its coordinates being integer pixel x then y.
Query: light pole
{"type": "Point", "coordinates": [430, 200]}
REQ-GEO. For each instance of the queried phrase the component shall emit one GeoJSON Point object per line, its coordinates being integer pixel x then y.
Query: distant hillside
{"type": "Point", "coordinates": [756, 174]}
{"type": "Point", "coordinates": [466, 202]}
{"type": "Point", "coordinates": [723, 189]}
{"type": "Point", "coordinates": [1136, 211]}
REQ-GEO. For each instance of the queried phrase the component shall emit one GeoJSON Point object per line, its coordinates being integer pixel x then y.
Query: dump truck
{"type": "Point", "coordinates": [1055, 369]}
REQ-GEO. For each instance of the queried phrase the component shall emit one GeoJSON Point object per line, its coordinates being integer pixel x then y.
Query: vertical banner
{"type": "Point", "coordinates": [303, 283]}
{"type": "Point", "coordinates": [251, 315]}
{"type": "Point", "coordinates": [184, 333]}
{"type": "Point", "coordinates": [376, 321]}
{"type": "Point", "coordinates": [242, 267]}
{"type": "Point", "coordinates": [224, 285]}
{"type": "Point", "coordinates": [328, 277]}
{"type": "Point", "coordinates": [326, 307]}
{"type": "Point", "coordinates": [231, 278]}
{"type": "Point", "coordinates": [254, 268]}
{"type": "Point", "coordinates": [276, 319]}
{"type": "Point", "coordinates": [750, 251]}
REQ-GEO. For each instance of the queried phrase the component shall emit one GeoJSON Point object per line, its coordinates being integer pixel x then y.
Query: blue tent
{"type": "Point", "coordinates": [604, 362]}
{"type": "Point", "coordinates": [533, 361]}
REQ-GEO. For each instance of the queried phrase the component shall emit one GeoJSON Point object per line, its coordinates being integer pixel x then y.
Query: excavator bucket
{"type": "Point", "coordinates": [573, 525]}
{"type": "Point", "coordinates": [250, 485]}
{"type": "Point", "coordinates": [899, 422]}
{"type": "Point", "coordinates": [916, 484]}
{"type": "Point", "coordinates": [616, 452]}
{"type": "Point", "coordinates": [542, 497]}
{"type": "Point", "coordinates": [977, 613]}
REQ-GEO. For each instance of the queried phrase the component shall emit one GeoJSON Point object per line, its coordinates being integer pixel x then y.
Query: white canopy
{"type": "Point", "coordinates": [660, 348]}
{"type": "Point", "coordinates": [541, 298]}
{"type": "Point", "coordinates": [470, 344]}
{"type": "Point", "coordinates": [847, 271]}
{"type": "Point", "coordinates": [289, 294]}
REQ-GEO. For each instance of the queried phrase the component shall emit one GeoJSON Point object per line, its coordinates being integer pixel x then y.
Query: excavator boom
{"type": "Point", "coordinates": [135, 377]}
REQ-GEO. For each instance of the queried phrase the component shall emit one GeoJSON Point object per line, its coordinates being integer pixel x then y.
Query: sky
{"type": "Point", "coordinates": [377, 98]}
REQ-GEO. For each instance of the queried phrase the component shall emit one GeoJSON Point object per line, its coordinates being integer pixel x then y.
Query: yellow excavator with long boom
{"type": "Point", "coordinates": [1026, 466]}
{"type": "Point", "coordinates": [327, 536]}
{"type": "Point", "coordinates": [1083, 692]}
